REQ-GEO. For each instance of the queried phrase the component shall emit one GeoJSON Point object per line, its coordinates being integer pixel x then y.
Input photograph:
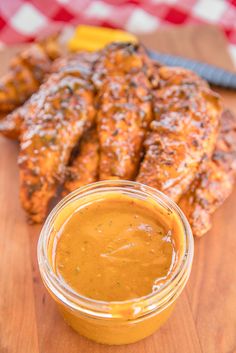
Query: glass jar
{"type": "Point", "coordinates": [120, 322]}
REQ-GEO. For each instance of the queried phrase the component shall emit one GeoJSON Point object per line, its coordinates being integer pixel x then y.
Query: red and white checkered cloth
{"type": "Point", "coordinates": [22, 20]}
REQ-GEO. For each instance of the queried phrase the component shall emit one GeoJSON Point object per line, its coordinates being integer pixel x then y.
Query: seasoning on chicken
{"type": "Point", "coordinates": [26, 72]}
{"type": "Point", "coordinates": [124, 108]}
{"type": "Point", "coordinates": [83, 168]}
{"type": "Point", "coordinates": [57, 116]}
{"type": "Point", "coordinates": [216, 180]}
{"type": "Point", "coordinates": [183, 132]}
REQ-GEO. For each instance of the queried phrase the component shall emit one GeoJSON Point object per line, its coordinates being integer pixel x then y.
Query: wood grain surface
{"type": "Point", "coordinates": [204, 320]}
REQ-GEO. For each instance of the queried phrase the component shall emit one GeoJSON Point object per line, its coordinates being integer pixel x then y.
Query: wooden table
{"type": "Point", "coordinates": [204, 320]}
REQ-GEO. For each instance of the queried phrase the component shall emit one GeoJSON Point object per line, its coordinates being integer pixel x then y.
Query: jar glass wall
{"type": "Point", "coordinates": [119, 322]}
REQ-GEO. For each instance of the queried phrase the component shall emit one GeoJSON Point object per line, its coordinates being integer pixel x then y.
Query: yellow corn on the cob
{"type": "Point", "coordinates": [94, 38]}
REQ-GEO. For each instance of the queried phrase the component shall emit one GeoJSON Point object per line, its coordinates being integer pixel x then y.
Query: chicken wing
{"type": "Point", "coordinates": [84, 166]}
{"type": "Point", "coordinates": [26, 72]}
{"type": "Point", "coordinates": [57, 116]}
{"type": "Point", "coordinates": [124, 108]}
{"type": "Point", "coordinates": [215, 182]}
{"type": "Point", "coordinates": [183, 132]}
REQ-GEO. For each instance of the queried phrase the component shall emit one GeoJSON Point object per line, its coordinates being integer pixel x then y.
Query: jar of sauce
{"type": "Point", "coordinates": [115, 256]}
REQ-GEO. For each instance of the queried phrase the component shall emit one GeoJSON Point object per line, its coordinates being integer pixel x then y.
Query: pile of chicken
{"type": "Point", "coordinates": [116, 114]}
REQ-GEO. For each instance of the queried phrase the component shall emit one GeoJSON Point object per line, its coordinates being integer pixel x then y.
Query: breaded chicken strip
{"type": "Point", "coordinates": [26, 72]}
{"type": "Point", "coordinates": [124, 108]}
{"type": "Point", "coordinates": [183, 132]}
{"type": "Point", "coordinates": [56, 118]}
{"type": "Point", "coordinates": [11, 125]}
{"type": "Point", "coordinates": [215, 182]}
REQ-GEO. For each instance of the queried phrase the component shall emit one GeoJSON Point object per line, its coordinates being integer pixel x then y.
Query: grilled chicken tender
{"type": "Point", "coordinates": [57, 116]}
{"type": "Point", "coordinates": [215, 182]}
{"type": "Point", "coordinates": [182, 133]}
{"type": "Point", "coordinates": [26, 72]}
{"type": "Point", "coordinates": [84, 166]}
{"type": "Point", "coordinates": [11, 125]}
{"type": "Point", "coordinates": [124, 108]}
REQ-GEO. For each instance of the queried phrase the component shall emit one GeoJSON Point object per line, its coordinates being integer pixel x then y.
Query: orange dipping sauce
{"type": "Point", "coordinates": [117, 248]}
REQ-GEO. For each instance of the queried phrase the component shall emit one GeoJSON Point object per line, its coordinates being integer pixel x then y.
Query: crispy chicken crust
{"type": "Point", "coordinates": [84, 166]}
{"type": "Point", "coordinates": [56, 117]}
{"type": "Point", "coordinates": [182, 133]}
{"type": "Point", "coordinates": [124, 108]}
{"type": "Point", "coordinates": [215, 182]}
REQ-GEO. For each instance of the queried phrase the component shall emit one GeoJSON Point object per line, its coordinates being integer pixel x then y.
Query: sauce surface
{"type": "Point", "coordinates": [116, 247]}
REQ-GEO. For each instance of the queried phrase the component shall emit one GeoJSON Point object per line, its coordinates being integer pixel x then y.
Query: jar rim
{"type": "Point", "coordinates": [98, 308]}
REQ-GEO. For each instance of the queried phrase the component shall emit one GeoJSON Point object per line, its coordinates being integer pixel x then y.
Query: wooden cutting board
{"type": "Point", "coordinates": [204, 320]}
